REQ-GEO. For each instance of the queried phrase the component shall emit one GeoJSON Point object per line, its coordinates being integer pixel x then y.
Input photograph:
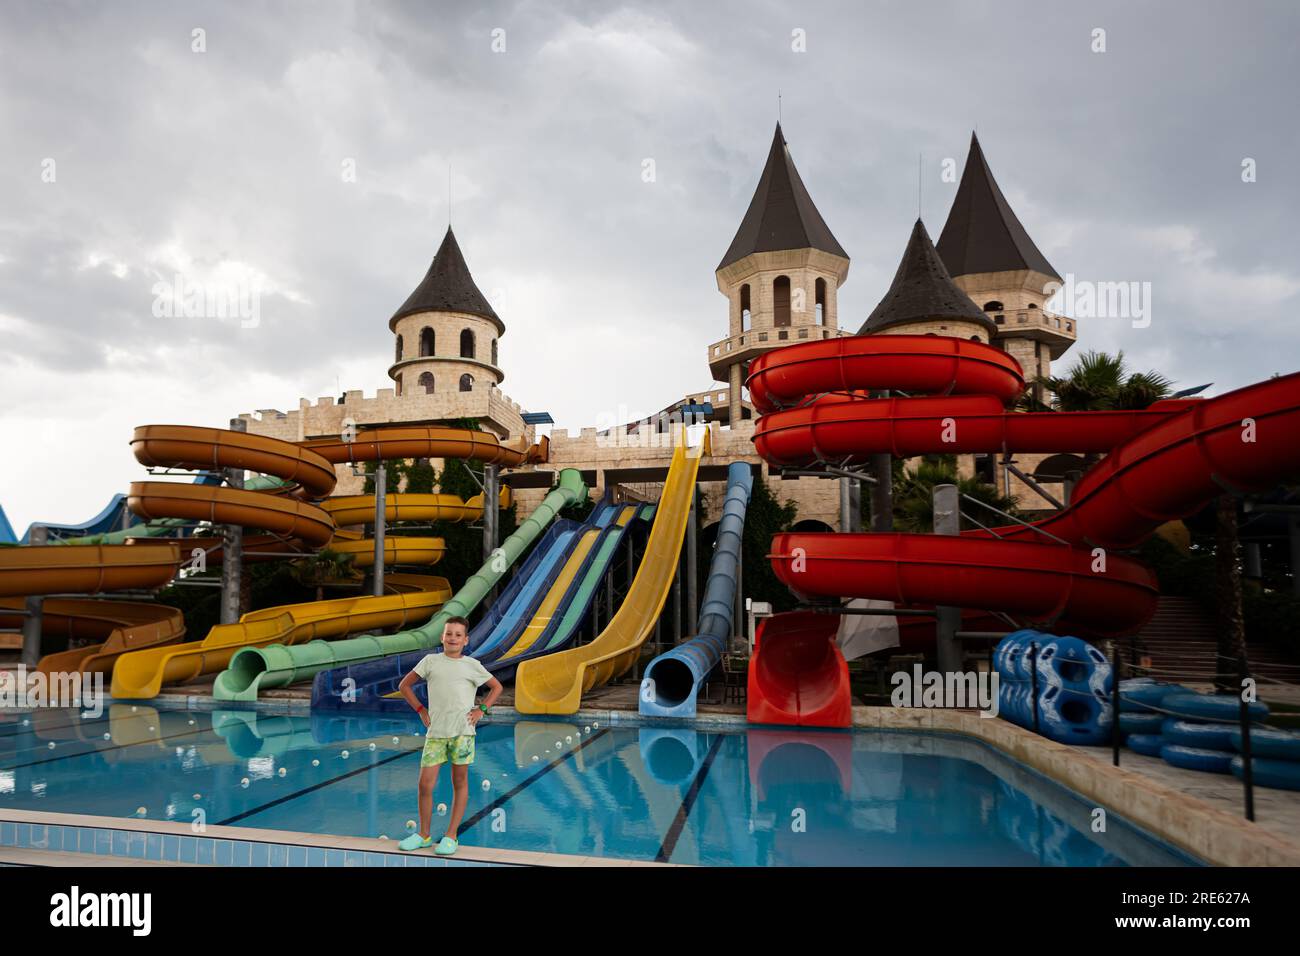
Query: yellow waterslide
{"type": "Point", "coordinates": [554, 684]}
{"type": "Point", "coordinates": [546, 610]}
{"type": "Point", "coordinates": [141, 674]}
{"type": "Point", "coordinates": [406, 506]}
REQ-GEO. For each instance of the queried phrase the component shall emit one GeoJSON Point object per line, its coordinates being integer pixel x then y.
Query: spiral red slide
{"type": "Point", "coordinates": [1162, 463]}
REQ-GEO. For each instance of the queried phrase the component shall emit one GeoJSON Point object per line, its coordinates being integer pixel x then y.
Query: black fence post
{"type": "Point", "coordinates": [1247, 771]}
{"type": "Point", "coordinates": [1114, 704]}
{"type": "Point", "coordinates": [1033, 680]}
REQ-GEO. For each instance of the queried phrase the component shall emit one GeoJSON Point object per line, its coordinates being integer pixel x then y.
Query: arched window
{"type": "Point", "coordinates": [494, 351]}
{"type": "Point", "coordinates": [744, 307]}
{"type": "Point", "coordinates": [1032, 306]}
{"type": "Point", "coordinates": [426, 382]}
{"type": "Point", "coordinates": [781, 301]}
{"type": "Point", "coordinates": [426, 341]}
{"type": "Point", "coordinates": [399, 383]}
{"type": "Point", "coordinates": [820, 293]}
{"type": "Point", "coordinates": [466, 345]}
{"type": "Point", "coordinates": [993, 306]}
{"type": "Point", "coordinates": [976, 338]}
{"type": "Point", "coordinates": [399, 349]}
{"type": "Point", "coordinates": [467, 382]}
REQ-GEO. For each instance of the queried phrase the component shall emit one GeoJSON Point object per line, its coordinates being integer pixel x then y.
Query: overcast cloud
{"type": "Point", "coordinates": [226, 166]}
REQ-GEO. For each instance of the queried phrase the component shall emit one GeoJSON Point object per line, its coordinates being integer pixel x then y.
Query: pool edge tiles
{"type": "Point", "coordinates": [144, 842]}
{"type": "Point", "coordinates": [1181, 820]}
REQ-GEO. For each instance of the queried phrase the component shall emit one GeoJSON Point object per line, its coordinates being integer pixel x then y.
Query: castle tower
{"type": "Point", "coordinates": [446, 331]}
{"type": "Point", "coordinates": [991, 258]}
{"type": "Point", "coordinates": [780, 275]}
{"type": "Point", "coordinates": [924, 300]}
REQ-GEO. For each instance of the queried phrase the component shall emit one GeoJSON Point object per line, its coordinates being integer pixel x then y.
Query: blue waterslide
{"type": "Point", "coordinates": [672, 680]}
{"type": "Point", "coordinates": [114, 517]}
{"type": "Point", "coordinates": [110, 519]}
{"type": "Point", "coordinates": [509, 613]}
{"type": "Point", "coordinates": [534, 588]}
{"type": "Point", "coordinates": [558, 636]}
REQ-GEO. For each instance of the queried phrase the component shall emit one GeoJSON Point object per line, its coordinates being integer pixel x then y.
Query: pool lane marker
{"type": "Point", "coordinates": [684, 811]}
{"type": "Point", "coordinates": [505, 797]}
{"type": "Point", "coordinates": [19, 729]}
{"type": "Point", "coordinates": [314, 787]}
{"type": "Point", "coordinates": [102, 750]}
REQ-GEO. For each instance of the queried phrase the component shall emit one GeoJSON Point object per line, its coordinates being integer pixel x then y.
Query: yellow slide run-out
{"type": "Point", "coordinates": [555, 684]}
{"type": "Point", "coordinates": [141, 674]}
{"type": "Point", "coordinates": [546, 610]}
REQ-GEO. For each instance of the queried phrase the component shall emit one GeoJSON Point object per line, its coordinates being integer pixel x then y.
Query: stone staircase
{"type": "Point", "coordinates": [1180, 643]}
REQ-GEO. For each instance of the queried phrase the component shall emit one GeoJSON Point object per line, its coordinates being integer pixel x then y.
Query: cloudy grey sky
{"type": "Point", "coordinates": [226, 165]}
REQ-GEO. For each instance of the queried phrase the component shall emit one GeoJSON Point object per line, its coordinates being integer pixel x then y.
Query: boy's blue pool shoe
{"type": "Point", "coordinates": [446, 846]}
{"type": "Point", "coordinates": [415, 842]}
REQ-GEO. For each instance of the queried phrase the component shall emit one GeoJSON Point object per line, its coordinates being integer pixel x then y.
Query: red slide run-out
{"type": "Point", "coordinates": [1161, 464]}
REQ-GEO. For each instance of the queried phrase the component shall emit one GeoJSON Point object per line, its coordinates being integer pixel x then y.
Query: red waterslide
{"type": "Point", "coordinates": [1161, 463]}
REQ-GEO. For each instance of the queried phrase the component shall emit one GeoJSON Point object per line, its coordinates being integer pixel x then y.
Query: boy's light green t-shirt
{"type": "Point", "coordinates": [453, 682]}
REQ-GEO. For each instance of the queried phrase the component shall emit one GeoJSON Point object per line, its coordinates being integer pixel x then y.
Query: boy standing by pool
{"type": "Point", "coordinates": [450, 719]}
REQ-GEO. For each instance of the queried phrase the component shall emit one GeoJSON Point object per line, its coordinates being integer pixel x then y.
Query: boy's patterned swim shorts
{"type": "Point", "coordinates": [439, 750]}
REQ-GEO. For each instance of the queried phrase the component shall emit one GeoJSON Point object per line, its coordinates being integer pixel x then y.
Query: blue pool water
{"type": "Point", "coordinates": [765, 797]}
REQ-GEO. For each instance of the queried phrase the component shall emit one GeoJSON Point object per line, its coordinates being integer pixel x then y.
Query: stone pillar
{"type": "Point", "coordinates": [734, 406]}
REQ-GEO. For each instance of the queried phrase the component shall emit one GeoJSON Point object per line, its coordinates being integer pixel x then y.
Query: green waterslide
{"type": "Point", "coordinates": [256, 668]}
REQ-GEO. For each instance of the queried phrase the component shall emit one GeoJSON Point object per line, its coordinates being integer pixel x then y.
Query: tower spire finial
{"type": "Point", "coordinates": [778, 106]}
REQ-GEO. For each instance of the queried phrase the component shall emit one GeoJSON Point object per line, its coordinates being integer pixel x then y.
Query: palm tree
{"type": "Point", "coordinates": [914, 494]}
{"type": "Point", "coordinates": [322, 568]}
{"type": "Point", "coordinates": [1099, 381]}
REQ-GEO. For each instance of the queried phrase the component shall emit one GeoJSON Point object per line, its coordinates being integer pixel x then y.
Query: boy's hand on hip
{"type": "Point", "coordinates": [424, 718]}
{"type": "Point", "coordinates": [474, 716]}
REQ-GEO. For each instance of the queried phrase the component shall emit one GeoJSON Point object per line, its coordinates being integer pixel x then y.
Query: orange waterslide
{"type": "Point", "coordinates": [112, 627]}
{"type": "Point", "coordinates": [50, 569]}
{"type": "Point", "coordinates": [286, 516]}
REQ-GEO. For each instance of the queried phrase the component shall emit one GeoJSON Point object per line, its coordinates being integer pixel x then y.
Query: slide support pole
{"type": "Point", "coordinates": [381, 507]}
{"type": "Point", "coordinates": [947, 520]}
{"type": "Point", "coordinates": [232, 547]}
{"type": "Point", "coordinates": [692, 566]}
{"type": "Point", "coordinates": [34, 606]}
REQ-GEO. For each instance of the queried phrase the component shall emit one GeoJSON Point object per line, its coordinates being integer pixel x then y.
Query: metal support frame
{"type": "Point", "coordinates": [1036, 487]}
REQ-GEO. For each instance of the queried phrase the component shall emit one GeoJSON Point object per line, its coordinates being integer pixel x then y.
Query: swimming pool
{"type": "Point", "coordinates": [749, 797]}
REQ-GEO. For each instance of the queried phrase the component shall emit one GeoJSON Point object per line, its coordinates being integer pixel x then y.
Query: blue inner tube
{"type": "Point", "coordinates": [1130, 723]}
{"type": "Point", "coordinates": [1226, 707]}
{"type": "Point", "coordinates": [1279, 774]}
{"type": "Point", "coordinates": [1146, 697]}
{"type": "Point", "coordinates": [1204, 736]}
{"type": "Point", "coordinates": [1194, 758]}
{"type": "Point", "coordinates": [1148, 744]}
{"type": "Point", "coordinates": [1282, 744]}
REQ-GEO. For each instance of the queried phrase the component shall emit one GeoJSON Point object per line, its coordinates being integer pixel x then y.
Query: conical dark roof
{"type": "Point", "coordinates": [781, 215]}
{"type": "Point", "coordinates": [922, 289]}
{"type": "Point", "coordinates": [448, 287]}
{"type": "Point", "coordinates": [982, 234]}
